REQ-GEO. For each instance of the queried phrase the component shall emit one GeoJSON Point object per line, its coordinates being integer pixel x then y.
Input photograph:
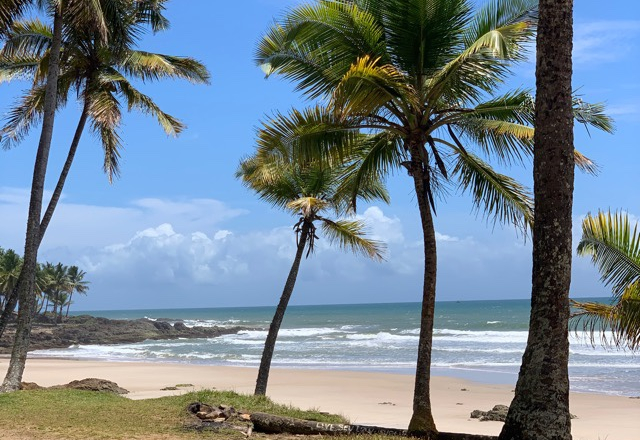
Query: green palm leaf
{"type": "Point", "coordinates": [614, 247]}
{"type": "Point", "coordinates": [617, 324]}
{"type": "Point", "coordinates": [494, 194]}
{"type": "Point", "coordinates": [349, 235]}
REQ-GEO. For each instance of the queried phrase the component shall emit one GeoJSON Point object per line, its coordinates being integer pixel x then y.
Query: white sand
{"type": "Point", "coordinates": [367, 398]}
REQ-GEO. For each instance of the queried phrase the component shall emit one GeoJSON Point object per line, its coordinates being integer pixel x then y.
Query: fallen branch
{"type": "Point", "coordinates": [270, 424]}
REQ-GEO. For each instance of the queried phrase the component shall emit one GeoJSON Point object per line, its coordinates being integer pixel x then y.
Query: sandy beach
{"type": "Point", "coordinates": [366, 398]}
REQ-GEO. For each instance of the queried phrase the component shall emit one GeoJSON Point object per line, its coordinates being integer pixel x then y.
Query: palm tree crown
{"type": "Point", "coordinates": [313, 192]}
{"type": "Point", "coordinates": [97, 71]}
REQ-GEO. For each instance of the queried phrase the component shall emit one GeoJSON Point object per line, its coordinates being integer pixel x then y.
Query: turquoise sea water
{"type": "Point", "coordinates": [479, 340]}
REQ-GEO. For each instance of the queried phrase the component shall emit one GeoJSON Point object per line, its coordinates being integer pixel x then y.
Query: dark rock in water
{"type": "Point", "coordinates": [93, 384]}
{"type": "Point", "coordinates": [87, 329]}
{"type": "Point", "coordinates": [497, 414]}
{"type": "Point", "coordinates": [168, 389]}
{"type": "Point", "coordinates": [162, 326]}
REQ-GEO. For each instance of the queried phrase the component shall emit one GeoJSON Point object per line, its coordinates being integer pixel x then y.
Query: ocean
{"type": "Point", "coordinates": [477, 340]}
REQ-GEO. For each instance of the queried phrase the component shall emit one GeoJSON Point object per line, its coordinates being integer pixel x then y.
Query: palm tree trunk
{"type": "Point", "coordinates": [270, 343]}
{"type": "Point", "coordinates": [540, 408]}
{"type": "Point", "coordinates": [25, 289]}
{"type": "Point", "coordinates": [422, 423]}
{"type": "Point", "coordinates": [10, 305]}
{"type": "Point", "coordinates": [57, 192]}
{"type": "Point", "coordinates": [68, 304]}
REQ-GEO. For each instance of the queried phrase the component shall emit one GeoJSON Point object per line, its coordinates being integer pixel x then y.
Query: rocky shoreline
{"type": "Point", "coordinates": [87, 330]}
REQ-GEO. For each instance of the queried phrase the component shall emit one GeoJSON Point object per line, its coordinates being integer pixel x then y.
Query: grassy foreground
{"type": "Point", "coordinates": [74, 415]}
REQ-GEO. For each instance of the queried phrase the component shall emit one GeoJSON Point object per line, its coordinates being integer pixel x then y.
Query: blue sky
{"type": "Point", "coordinates": [178, 230]}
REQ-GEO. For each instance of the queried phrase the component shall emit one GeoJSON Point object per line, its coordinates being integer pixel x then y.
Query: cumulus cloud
{"type": "Point", "coordinates": [156, 253]}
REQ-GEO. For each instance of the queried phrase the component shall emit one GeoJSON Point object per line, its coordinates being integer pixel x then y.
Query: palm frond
{"type": "Point", "coordinates": [493, 40]}
{"type": "Point", "coordinates": [315, 44]}
{"type": "Point", "coordinates": [508, 142]}
{"type": "Point", "coordinates": [368, 86]}
{"type": "Point", "coordinates": [152, 67]}
{"type": "Point", "coordinates": [105, 114]}
{"type": "Point", "coordinates": [614, 247]}
{"type": "Point", "coordinates": [494, 194]}
{"type": "Point", "coordinates": [139, 101]}
{"type": "Point", "coordinates": [311, 134]}
{"type": "Point", "coordinates": [27, 113]}
{"type": "Point", "coordinates": [592, 115]}
{"type": "Point", "coordinates": [30, 38]}
{"type": "Point", "coordinates": [617, 324]}
{"type": "Point", "coordinates": [350, 235]}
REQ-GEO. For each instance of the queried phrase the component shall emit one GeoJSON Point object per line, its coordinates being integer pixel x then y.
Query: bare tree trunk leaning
{"type": "Point", "coordinates": [422, 423]}
{"type": "Point", "coordinates": [270, 342]}
{"type": "Point", "coordinates": [25, 288]}
{"type": "Point", "coordinates": [271, 424]}
{"type": "Point", "coordinates": [57, 192]}
{"type": "Point", "coordinates": [540, 408]}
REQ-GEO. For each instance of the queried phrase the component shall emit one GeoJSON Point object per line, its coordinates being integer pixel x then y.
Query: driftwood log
{"type": "Point", "coordinates": [270, 424]}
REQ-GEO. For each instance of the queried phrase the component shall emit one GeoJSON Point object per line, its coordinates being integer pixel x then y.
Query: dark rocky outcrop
{"type": "Point", "coordinates": [497, 414]}
{"type": "Point", "coordinates": [89, 384]}
{"type": "Point", "coordinates": [93, 384]}
{"type": "Point", "coordinates": [87, 329]}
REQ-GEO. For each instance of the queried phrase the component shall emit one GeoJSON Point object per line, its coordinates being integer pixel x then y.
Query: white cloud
{"type": "Point", "coordinates": [165, 253]}
{"type": "Point", "coordinates": [75, 226]}
{"type": "Point", "coordinates": [605, 41]}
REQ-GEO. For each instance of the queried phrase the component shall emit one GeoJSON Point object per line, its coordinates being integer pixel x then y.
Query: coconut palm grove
{"type": "Point", "coordinates": [436, 160]}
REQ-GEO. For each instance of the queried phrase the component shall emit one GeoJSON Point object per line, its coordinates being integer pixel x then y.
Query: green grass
{"type": "Point", "coordinates": [74, 415]}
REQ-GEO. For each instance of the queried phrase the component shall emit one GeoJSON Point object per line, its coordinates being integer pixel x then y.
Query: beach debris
{"type": "Point", "coordinates": [93, 384]}
{"type": "Point", "coordinates": [214, 418]}
{"type": "Point", "coordinates": [169, 389]}
{"type": "Point", "coordinates": [497, 414]}
{"type": "Point", "coordinates": [463, 389]}
{"type": "Point", "coordinates": [387, 403]}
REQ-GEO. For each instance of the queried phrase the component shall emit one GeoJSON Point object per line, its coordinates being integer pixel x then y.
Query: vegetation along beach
{"type": "Point", "coordinates": [372, 218]}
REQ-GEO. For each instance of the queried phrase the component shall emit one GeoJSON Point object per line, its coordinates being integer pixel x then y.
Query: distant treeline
{"type": "Point", "coordinates": [55, 284]}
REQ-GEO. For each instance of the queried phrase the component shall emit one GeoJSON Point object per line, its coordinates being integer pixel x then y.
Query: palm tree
{"type": "Point", "coordinates": [78, 12]}
{"type": "Point", "coordinates": [96, 68]}
{"type": "Point", "coordinates": [76, 284]}
{"type": "Point", "coordinates": [540, 407]}
{"type": "Point", "coordinates": [10, 266]}
{"type": "Point", "coordinates": [614, 247]}
{"type": "Point", "coordinates": [309, 191]}
{"type": "Point", "coordinates": [421, 79]}
{"type": "Point", "coordinates": [57, 284]}
{"type": "Point", "coordinates": [74, 11]}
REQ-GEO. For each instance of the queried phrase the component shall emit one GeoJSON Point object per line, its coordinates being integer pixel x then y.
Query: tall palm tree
{"type": "Point", "coordinates": [96, 68]}
{"type": "Point", "coordinates": [614, 246]}
{"type": "Point", "coordinates": [77, 284]}
{"type": "Point", "coordinates": [78, 12]}
{"type": "Point", "coordinates": [540, 407]}
{"type": "Point", "coordinates": [311, 192]}
{"type": "Point", "coordinates": [421, 78]}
